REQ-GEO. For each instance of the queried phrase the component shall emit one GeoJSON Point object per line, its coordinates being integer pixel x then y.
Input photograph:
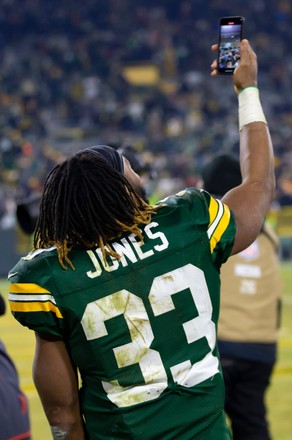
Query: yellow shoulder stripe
{"type": "Point", "coordinates": [29, 297]}
{"type": "Point", "coordinates": [213, 210]}
{"type": "Point", "coordinates": [219, 221]}
{"type": "Point", "coordinates": [35, 307]}
{"type": "Point", "coordinates": [23, 288]}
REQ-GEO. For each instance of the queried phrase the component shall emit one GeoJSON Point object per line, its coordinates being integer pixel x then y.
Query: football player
{"type": "Point", "coordinates": [127, 294]}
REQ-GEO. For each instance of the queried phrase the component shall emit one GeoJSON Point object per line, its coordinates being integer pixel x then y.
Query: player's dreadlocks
{"type": "Point", "coordinates": [85, 204]}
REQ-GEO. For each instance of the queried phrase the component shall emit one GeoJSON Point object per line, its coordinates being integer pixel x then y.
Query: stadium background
{"type": "Point", "coordinates": [136, 73]}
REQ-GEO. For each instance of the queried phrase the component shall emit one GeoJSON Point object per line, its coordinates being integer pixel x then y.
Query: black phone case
{"type": "Point", "coordinates": [229, 52]}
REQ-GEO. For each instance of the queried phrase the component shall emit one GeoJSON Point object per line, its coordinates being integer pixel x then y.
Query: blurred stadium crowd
{"type": "Point", "coordinates": [119, 72]}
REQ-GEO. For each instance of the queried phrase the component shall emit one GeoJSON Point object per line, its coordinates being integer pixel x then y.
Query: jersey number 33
{"type": "Point", "coordinates": [138, 351]}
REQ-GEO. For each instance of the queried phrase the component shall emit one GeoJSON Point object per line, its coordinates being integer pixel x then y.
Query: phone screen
{"type": "Point", "coordinates": [230, 35]}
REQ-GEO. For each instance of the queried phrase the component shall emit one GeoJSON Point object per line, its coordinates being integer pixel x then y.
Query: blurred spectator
{"type": "Point", "coordinates": [14, 417]}
{"type": "Point", "coordinates": [249, 316]}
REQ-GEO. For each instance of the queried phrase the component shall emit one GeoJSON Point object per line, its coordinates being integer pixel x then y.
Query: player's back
{"type": "Point", "coordinates": [142, 329]}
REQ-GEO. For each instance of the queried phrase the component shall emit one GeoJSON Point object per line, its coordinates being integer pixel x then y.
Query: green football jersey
{"type": "Point", "coordinates": [140, 329]}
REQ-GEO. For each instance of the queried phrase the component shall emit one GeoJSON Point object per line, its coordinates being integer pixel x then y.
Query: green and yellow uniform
{"type": "Point", "coordinates": [141, 329]}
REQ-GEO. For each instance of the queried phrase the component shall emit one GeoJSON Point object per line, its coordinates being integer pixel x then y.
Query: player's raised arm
{"type": "Point", "coordinates": [251, 200]}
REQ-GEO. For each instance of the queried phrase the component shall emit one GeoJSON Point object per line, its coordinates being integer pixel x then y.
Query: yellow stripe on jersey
{"type": "Point", "coordinates": [29, 297]}
{"type": "Point", "coordinates": [213, 210]}
{"type": "Point", "coordinates": [47, 306]}
{"type": "Point", "coordinates": [219, 221]}
{"type": "Point", "coordinates": [29, 288]}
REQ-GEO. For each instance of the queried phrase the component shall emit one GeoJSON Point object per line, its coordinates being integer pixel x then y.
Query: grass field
{"type": "Point", "coordinates": [20, 344]}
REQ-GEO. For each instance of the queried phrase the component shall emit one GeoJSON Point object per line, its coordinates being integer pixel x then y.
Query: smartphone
{"type": "Point", "coordinates": [230, 36]}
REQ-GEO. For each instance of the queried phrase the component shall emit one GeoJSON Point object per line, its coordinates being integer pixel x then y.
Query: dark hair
{"type": "Point", "coordinates": [221, 174]}
{"type": "Point", "coordinates": [85, 204]}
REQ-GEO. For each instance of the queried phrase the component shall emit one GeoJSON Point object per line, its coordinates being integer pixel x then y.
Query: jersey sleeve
{"type": "Point", "coordinates": [221, 229]}
{"type": "Point", "coordinates": [211, 215]}
{"type": "Point", "coordinates": [33, 303]}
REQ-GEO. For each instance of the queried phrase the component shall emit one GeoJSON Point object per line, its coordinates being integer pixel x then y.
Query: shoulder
{"type": "Point", "coordinates": [193, 201]}
{"type": "Point", "coordinates": [200, 205]}
{"type": "Point", "coordinates": [31, 264]}
{"type": "Point", "coordinates": [207, 213]}
{"type": "Point", "coordinates": [32, 291]}
{"type": "Point", "coordinates": [185, 197]}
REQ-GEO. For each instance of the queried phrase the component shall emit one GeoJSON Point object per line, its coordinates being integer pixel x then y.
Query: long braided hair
{"type": "Point", "coordinates": [85, 204]}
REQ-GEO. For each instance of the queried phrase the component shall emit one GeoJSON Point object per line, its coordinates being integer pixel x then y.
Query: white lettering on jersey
{"type": "Point", "coordinates": [131, 250]}
{"type": "Point", "coordinates": [124, 249]}
{"type": "Point", "coordinates": [164, 242]}
{"type": "Point", "coordinates": [137, 246]}
{"type": "Point", "coordinates": [139, 350]}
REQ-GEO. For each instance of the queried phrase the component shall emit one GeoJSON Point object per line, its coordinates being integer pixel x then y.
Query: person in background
{"type": "Point", "coordinates": [249, 316]}
{"type": "Point", "coordinates": [14, 416]}
{"type": "Point", "coordinates": [127, 294]}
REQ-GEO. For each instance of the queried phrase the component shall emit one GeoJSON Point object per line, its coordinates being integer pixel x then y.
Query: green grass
{"type": "Point", "coordinates": [20, 344]}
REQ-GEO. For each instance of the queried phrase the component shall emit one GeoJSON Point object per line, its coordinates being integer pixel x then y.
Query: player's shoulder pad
{"type": "Point", "coordinates": [33, 259]}
{"type": "Point", "coordinates": [188, 195]}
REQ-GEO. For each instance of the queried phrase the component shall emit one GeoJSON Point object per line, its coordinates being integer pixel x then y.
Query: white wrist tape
{"type": "Point", "coordinates": [250, 108]}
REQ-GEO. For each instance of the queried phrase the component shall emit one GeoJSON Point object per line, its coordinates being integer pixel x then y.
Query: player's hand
{"type": "Point", "coordinates": [245, 74]}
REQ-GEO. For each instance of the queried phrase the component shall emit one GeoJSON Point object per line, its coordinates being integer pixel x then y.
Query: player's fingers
{"type": "Point", "coordinates": [214, 48]}
{"type": "Point", "coordinates": [245, 52]}
{"type": "Point", "coordinates": [214, 68]}
{"type": "Point", "coordinates": [214, 64]}
{"type": "Point", "coordinates": [252, 52]}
